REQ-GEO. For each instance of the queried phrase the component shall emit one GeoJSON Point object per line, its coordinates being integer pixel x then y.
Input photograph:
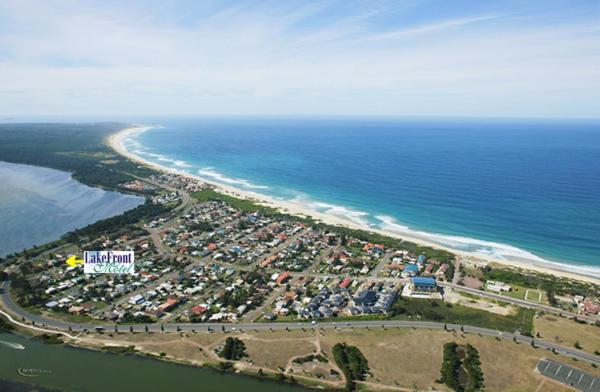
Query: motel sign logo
{"type": "Point", "coordinates": [108, 262]}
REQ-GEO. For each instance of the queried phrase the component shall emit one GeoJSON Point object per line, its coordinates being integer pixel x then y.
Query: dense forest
{"type": "Point", "coordinates": [76, 148]}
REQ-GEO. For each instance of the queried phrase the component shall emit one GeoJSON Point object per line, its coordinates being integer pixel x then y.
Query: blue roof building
{"type": "Point", "coordinates": [423, 284]}
{"type": "Point", "coordinates": [411, 269]}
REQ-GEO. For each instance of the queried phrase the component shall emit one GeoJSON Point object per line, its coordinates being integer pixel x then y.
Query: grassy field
{"type": "Point", "coordinates": [276, 353]}
{"type": "Point", "coordinates": [412, 358]}
{"type": "Point", "coordinates": [398, 358]}
{"type": "Point", "coordinates": [519, 292]}
{"type": "Point", "coordinates": [436, 310]}
{"type": "Point", "coordinates": [567, 332]}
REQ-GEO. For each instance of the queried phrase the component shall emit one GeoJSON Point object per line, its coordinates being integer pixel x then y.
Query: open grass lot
{"type": "Point", "coordinates": [520, 292]}
{"type": "Point", "coordinates": [190, 348]}
{"type": "Point", "coordinates": [412, 358]}
{"type": "Point", "coordinates": [276, 353]}
{"type": "Point", "coordinates": [437, 310]}
{"type": "Point", "coordinates": [567, 332]}
{"type": "Point", "coordinates": [183, 349]}
{"type": "Point", "coordinates": [396, 357]}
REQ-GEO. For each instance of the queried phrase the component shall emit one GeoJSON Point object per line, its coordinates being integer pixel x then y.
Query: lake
{"type": "Point", "coordinates": [38, 205]}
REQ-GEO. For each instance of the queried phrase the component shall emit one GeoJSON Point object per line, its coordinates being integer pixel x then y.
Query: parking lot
{"type": "Point", "coordinates": [568, 375]}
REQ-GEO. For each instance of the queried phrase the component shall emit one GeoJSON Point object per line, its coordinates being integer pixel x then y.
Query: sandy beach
{"type": "Point", "coordinates": [115, 141]}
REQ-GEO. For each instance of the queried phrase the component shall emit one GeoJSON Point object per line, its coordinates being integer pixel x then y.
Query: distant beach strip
{"type": "Point", "coordinates": [126, 142]}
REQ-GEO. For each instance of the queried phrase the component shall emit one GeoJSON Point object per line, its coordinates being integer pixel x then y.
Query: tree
{"type": "Point", "coordinates": [233, 349]}
{"type": "Point", "coordinates": [352, 362]}
{"type": "Point", "coordinates": [472, 365]}
{"type": "Point", "coordinates": [450, 366]}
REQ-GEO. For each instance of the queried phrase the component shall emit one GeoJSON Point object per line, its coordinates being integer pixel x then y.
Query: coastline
{"type": "Point", "coordinates": [115, 141]}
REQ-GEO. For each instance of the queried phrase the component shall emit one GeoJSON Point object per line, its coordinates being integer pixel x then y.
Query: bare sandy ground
{"type": "Point", "coordinates": [115, 141]}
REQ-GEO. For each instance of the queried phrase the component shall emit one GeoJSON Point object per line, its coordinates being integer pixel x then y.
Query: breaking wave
{"type": "Point", "coordinates": [339, 211]}
{"type": "Point", "coordinates": [216, 176]}
{"type": "Point", "coordinates": [474, 246]}
{"type": "Point", "coordinates": [489, 249]}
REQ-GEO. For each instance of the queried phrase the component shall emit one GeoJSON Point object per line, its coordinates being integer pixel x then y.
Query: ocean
{"type": "Point", "coordinates": [525, 190]}
{"type": "Point", "coordinates": [38, 205]}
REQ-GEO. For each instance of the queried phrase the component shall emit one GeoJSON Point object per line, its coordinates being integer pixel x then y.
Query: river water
{"type": "Point", "coordinates": [72, 369]}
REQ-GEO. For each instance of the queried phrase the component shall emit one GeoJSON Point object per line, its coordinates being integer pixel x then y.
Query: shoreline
{"type": "Point", "coordinates": [115, 141]}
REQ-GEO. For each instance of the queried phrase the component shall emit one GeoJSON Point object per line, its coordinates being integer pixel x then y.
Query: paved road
{"type": "Point", "coordinates": [188, 327]}
{"type": "Point", "coordinates": [520, 302]}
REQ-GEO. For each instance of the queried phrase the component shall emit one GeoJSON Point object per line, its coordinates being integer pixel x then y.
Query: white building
{"type": "Point", "coordinates": [497, 286]}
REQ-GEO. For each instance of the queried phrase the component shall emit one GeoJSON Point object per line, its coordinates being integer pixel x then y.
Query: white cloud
{"type": "Point", "coordinates": [426, 28]}
{"type": "Point", "coordinates": [75, 58]}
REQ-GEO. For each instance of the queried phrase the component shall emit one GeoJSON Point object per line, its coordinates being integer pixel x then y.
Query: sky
{"type": "Point", "coordinates": [376, 57]}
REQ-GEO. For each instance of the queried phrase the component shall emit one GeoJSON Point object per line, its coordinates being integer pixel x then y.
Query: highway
{"type": "Point", "coordinates": [65, 326]}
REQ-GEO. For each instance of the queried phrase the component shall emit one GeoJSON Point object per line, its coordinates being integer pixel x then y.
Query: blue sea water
{"type": "Point", "coordinates": [526, 190]}
{"type": "Point", "coordinates": [38, 205]}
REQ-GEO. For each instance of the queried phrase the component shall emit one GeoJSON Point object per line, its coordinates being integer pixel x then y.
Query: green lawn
{"type": "Point", "coordinates": [518, 292]}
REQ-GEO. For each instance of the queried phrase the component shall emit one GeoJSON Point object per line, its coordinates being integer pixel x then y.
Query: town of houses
{"type": "Point", "coordinates": [212, 262]}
